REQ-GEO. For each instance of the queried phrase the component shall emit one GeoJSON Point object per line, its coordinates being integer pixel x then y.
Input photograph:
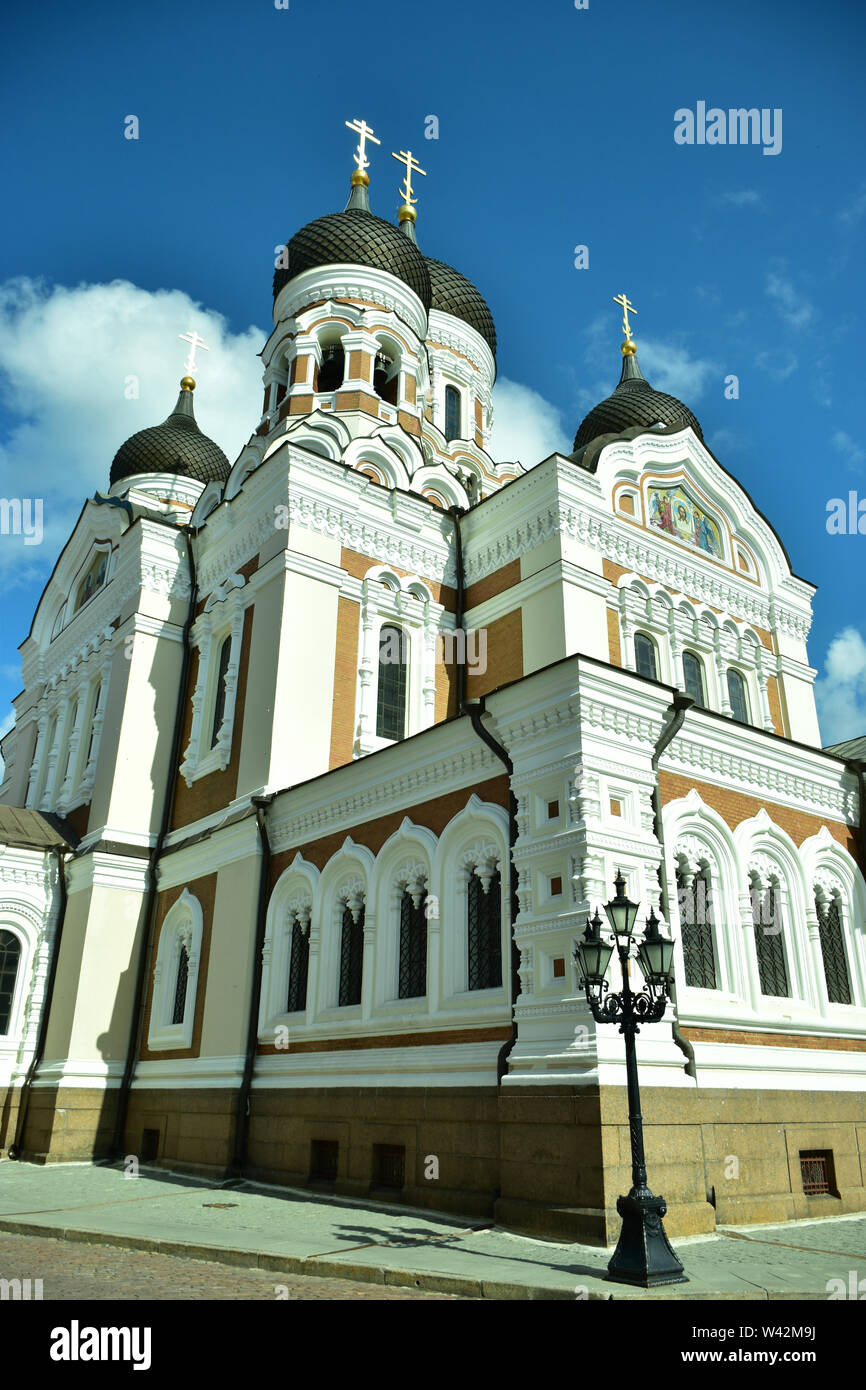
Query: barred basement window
{"type": "Point", "coordinates": [389, 1165]}
{"type": "Point", "coordinates": [298, 967]}
{"type": "Point", "coordinates": [818, 1174]}
{"type": "Point", "coordinates": [693, 673]}
{"type": "Point", "coordinates": [696, 925]}
{"type": "Point", "coordinates": [351, 957]}
{"type": "Point", "coordinates": [219, 708]}
{"type": "Point", "coordinates": [412, 982]}
{"type": "Point", "coordinates": [485, 932]}
{"type": "Point", "coordinates": [324, 1155]}
{"type": "Point", "coordinates": [179, 1009]}
{"type": "Point", "coordinates": [767, 922]}
{"type": "Point", "coordinates": [737, 697]}
{"type": "Point", "coordinates": [833, 951]}
{"type": "Point", "coordinates": [10, 957]}
{"type": "Point", "coordinates": [391, 694]}
{"type": "Point", "coordinates": [645, 656]}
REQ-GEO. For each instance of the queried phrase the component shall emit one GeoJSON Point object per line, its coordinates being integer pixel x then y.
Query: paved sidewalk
{"type": "Point", "coordinates": [302, 1233]}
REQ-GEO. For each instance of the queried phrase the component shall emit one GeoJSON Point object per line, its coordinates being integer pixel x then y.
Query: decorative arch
{"type": "Point", "coordinates": [404, 863]}
{"type": "Point", "coordinates": [288, 931]}
{"type": "Point", "coordinates": [834, 875]}
{"type": "Point", "coordinates": [476, 839]}
{"type": "Point", "coordinates": [345, 886]}
{"type": "Point", "coordinates": [175, 975]}
{"type": "Point", "coordinates": [697, 838]}
{"type": "Point", "coordinates": [773, 867]}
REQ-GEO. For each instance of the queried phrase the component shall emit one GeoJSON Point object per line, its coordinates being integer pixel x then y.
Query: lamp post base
{"type": "Point", "coordinates": [643, 1255]}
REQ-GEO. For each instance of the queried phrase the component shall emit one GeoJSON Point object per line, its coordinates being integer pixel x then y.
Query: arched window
{"type": "Point", "coordinates": [645, 656]}
{"type": "Point", "coordinates": [770, 950]}
{"type": "Point", "coordinates": [386, 376]}
{"type": "Point", "coordinates": [453, 412]}
{"type": "Point", "coordinates": [696, 926]}
{"type": "Point", "coordinates": [178, 1011]}
{"type": "Point", "coordinates": [737, 696]}
{"type": "Point", "coordinates": [69, 746]}
{"type": "Point", "coordinates": [330, 375]}
{"type": "Point", "coordinates": [412, 979]}
{"type": "Point", "coordinates": [693, 672]}
{"type": "Point", "coordinates": [485, 931]}
{"type": "Point", "coordinates": [833, 951]}
{"type": "Point", "coordinates": [10, 957]}
{"type": "Point", "coordinates": [93, 727]}
{"type": "Point", "coordinates": [298, 965]}
{"type": "Point", "coordinates": [391, 694]}
{"type": "Point", "coordinates": [219, 707]}
{"type": "Point", "coordinates": [351, 956]}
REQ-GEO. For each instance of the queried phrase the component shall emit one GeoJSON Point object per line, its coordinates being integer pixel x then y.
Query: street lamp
{"type": "Point", "coordinates": [643, 1255]}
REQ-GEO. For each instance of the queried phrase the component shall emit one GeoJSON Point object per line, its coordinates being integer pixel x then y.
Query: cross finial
{"type": "Point", "coordinates": [194, 342]}
{"type": "Point", "coordinates": [407, 158]}
{"type": "Point", "coordinates": [627, 308]}
{"type": "Point", "coordinates": [365, 133]}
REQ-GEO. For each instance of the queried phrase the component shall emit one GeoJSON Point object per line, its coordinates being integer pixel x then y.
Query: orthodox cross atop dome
{"type": "Point", "coordinates": [194, 342]}
{"type": "Point", "coordinates": [408, 160]}
{"type": "Point", "coordinates": [364, 133]}
{"type": "Point", "coordinates": [628, 347]}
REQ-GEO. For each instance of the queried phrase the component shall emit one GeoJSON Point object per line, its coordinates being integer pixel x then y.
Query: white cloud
{"type": "Point", "coordinates": [778, 365]}
{"type": "Point", "coordinates": [673, 370]}
{"type": "Point", "coordinates": [794, 308]}
{"type": "Point", "coordinates": [851, 451]}
{"type": "Point", "coordinates": [741, 198]}
{"type": "Point", "coordinates": [855, 210]}
{"type": "Point", "coordinates": [525, 425]}
{"type": "Point", "coordinates": [65, 359]}
{"type": "Point", "coordinates": [841, 691]}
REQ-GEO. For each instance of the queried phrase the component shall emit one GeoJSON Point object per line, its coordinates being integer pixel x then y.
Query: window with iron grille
{"type": "Point", "coordinates": [696, 927]}
{"type": "Point", "coordinates": [391, 693]}
{"type": "Point", "coordinates": [179, 1009]}
{"type": "Point", "coordinates": [767, 921]}
{"type": "Point", "coordinates": [818, 1173]}
{"type": "Point", "coordinates": [10, 957]}
{"type": "Point", "coordinates": [412, 981]}
{"type": "Point", "coordinates": [833, 951]}
{"type": "Point", "coordinates": [351, 957]}
{"type": "Point", "coordinates": [219, 707]}
{"type": "Point", "coordinates": [324, 1154]}
{"type": "Point", "coordinates": [298, 965]}
{"type": "Point", "coordinates": [737, 696]}
{"type": "Point", "coordinates": [485, 932]}
{"type": "Point", "coordinates": [693, 673]}
{"type": "Point", "coordinates": [645, 656]}
{"type": "Point", "coordinates": [389, 1165]}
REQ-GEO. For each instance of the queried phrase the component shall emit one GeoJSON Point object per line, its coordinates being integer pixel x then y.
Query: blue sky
{"type": "Point", "coordinates": [556, 129]}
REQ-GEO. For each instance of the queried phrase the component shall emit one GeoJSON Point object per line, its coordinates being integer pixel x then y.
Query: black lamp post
{"type": "Point", "coordinates": [643, 1255]}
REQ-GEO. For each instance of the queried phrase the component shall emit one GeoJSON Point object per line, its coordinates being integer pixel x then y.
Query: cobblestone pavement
{"type": "Point", "coordinates": [75, 1272]}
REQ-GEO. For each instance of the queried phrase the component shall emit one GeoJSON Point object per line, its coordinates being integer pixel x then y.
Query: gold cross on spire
{"type": "Point", "coordinates": [627, 308]}
{"type": "Point", "coordinates": [365, 133]}
{"type": "Point", "coordinates": [407, 158]}
{"type": "Point", "coordinates": [194, 342]}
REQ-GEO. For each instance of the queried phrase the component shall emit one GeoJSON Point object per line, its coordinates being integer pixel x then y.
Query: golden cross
{"type": "Point", "coordinates": [366, 133]}
{"type": "Point", "coordinates": [627, 308]}
{"type": "Point", "coordinates": [406, 157]}
{"type": "Point", "coordinates": [194, 342]}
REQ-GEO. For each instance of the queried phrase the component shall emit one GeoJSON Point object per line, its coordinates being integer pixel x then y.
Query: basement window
{"type": "Point", "coordinates": [818, 1173]}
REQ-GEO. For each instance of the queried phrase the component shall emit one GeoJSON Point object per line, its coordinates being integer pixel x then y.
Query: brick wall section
{"type": "Point", "coordinates": [504, 656]}
{"type": "Point", "coordinates": [210, 793]}
{"type": "Point", "coordinates": [614, 649]}
{"type": "Point", "coordinates": [734, 1035]}
{"type": "Point", "coordinates": [775, 706]}
{"type": "Point", "coordinates": [205, 890]}
{"type": "Point", "coordinates": [446, 1038]}
{"type": "Point", "coordinates": [345, 683]}
{"type": "Point", "coordinates": [434, 814]}
{"type": "Point", "coordinates": [492, 584]}
{"type": "Point", "coordinates": [735, 807]}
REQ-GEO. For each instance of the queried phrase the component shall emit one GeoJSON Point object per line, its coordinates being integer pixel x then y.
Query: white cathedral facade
{"type": "Point", "coordinates": [324, 757]}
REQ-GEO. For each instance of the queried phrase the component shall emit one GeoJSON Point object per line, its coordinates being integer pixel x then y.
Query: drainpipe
{"type": "Point", "coordinates": [15, 1148]}
{"type": "Point", "coordinates": [676, 714]}
{"type": "Point", "coordinates": [144, 959]}
{"type": "Point", "coordinates": [242, 1114]}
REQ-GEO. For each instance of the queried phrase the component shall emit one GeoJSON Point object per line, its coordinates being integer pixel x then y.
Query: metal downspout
{"type": "Point", "coordinates": [242, 1112]}
{"type": "Point", "coordinates": [14, 1150]}
{"type": "Point", "coordinates": [137, 1021]}
{"type": "Point", "coordinates": [677, 713]}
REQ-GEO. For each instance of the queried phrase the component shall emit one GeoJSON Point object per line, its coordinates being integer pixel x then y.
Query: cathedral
{"type": "Point", "coordinates": [324, 757]}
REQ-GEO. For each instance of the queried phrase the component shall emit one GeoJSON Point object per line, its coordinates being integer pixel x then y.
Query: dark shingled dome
{"type": "Point", "coordinates": [356, 237]}
{"type": "Point", "coordinates": [454, 294]}
{"type": "Point", "coordinates": [634, 402]}
{"type": "Point", "coordinates": [175, 446]}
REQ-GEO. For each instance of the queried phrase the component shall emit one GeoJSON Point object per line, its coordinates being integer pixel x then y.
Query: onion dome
{"type": "Point", "coordinates": [355, 237]}
{"type": "Point", "coordinates": [453, 294]}
{"type": "Point", "coordinates": [175, 446]}
{"type": "Point", "coordinates": [634, 402]}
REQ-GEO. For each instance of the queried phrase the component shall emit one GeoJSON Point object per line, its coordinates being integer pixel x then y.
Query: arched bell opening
{"type": "Point", "coordinates": [329, 376]}
{"type": "Point", "coordinates": [386, 377]}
